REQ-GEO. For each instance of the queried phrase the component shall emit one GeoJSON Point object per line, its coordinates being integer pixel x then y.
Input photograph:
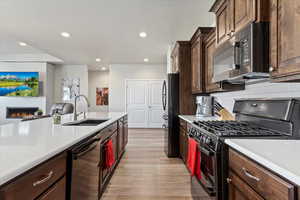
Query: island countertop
{"type": "Point", "coordinates": [24, 145]}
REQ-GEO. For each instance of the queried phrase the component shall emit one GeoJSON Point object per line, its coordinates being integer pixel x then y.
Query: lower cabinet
{"type": "Point", "coordinates": [57, 192]}
{"type": "Point", "coordinates": [43, 182]}
{"type": "Point", "coordinates": [183, 140]}
{"type": "Point", "coordinates": [248, 180]}
{"type": "Point", "coordinates": [239, 190]}
{"type": "Point", "coordinates": [119, 137]}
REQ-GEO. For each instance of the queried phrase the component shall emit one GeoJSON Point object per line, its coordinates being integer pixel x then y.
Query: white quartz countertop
{"type": "Point", "coordinates": [192, 118]}
{"type": "Point", "coordinates": [280, 156]}
{"type": "Point", "coordinates": [24, 145]}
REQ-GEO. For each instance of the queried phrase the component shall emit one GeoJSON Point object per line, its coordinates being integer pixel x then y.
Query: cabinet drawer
{"type": "Point", "coordinates": [268, 185]}
{"type": "Point", "coordinates": [56, 192]}
{"type": "Point", "coordinates": [182, 124]}
{"type": "Point", "coordinates": [35, 182]}
{"type": "Point", "coordinates": [239, 190]}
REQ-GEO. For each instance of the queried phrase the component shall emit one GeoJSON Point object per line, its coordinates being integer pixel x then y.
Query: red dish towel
{"type": "Point", "coordinates": [109, 154]}
{"type": "Point", "coordinates": [194, 159]}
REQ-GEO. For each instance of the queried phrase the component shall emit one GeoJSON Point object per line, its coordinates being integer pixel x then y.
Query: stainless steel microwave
{"type": "Point", "coordinates": [244, 56]}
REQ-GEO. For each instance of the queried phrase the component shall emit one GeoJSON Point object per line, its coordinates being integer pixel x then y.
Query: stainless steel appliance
{"type": "Point", "coordinates": [205, 106]}
{"type": "Point", "coordinates": [255, 118]}
{"type": "Point", "coordinates": [245, 56]}
{"type": "Point", "coordinates": [62, 108]}
{"type": "Point", "coordinates": [171, 105]}
{"type": "Point", "coordinates": [85, 159]}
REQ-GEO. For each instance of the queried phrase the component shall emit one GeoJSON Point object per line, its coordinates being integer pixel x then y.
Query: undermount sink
{"type": "Point", "coordinates": [86, 122]}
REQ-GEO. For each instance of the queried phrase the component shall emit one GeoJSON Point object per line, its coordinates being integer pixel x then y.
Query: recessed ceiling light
{"type": "Point", "coordinates": [143, 34]}
{"type": "Point", "coordinates": [98, 59]}
{"type": "Point", "coordinates": [103, 68]}
{"type": "Point", "coordinates": [65, 34]}
{"type": "Point", "coordinates": [23, 44]}
{"type": "Point", "coordinates": [146, 59]}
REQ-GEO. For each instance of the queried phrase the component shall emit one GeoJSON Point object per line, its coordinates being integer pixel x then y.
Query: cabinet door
{"type": "Point", "coordinates": [239, 190]}
{"type": "Point", "coordinates": [120, 138]}
{"type": "Point", "coordinates": [243, 13]}
{"type": "Point", "coordinates": [181, 144]}
{"type": "Point", "coordinates": [223, 19]}
{"type": "Point", "coordinates": [285, 39]}
{"type": "Point", "coordinates": [125, 132]}
{"type": "Point", "coordinates": [196, 66]}
{"type": "Point", "coordinates": [114, 138]}
{"type": "Point", "coordinates": [209, 48]}
{"type": "Point", "coordinates": [57, 191]}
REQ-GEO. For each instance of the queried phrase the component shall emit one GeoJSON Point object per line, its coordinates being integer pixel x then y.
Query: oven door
{"type": "Point", "coordinates": [207, 181]}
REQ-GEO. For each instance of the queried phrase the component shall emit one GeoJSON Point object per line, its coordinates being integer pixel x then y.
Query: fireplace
{"type": "Point", "coordinates": [20, 112]}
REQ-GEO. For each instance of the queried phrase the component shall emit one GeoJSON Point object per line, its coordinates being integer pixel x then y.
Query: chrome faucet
{"type": "Point", "coordinates": [75, 105]}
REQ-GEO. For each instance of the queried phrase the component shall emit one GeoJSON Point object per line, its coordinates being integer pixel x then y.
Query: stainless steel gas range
{"type": "Point", "coordinates": [255, 118]}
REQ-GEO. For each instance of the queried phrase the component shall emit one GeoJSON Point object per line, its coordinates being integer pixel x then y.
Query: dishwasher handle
{"type": "Point", "coordinates": [85, 149]}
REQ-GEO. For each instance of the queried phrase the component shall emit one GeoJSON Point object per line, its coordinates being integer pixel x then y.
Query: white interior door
{"type": "Point", "coordinates": [155, 119]}
{"type": "Point", "coordinates": [144, 103]}
{"type": "Point", "coordinates": [137, 103]}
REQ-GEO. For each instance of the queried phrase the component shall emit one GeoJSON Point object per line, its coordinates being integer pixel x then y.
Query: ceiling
{"type": "Point", "coordinates": [108, 29]}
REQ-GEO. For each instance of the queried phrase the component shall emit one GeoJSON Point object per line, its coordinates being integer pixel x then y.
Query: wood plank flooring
{"type": "Point", "coordinates": [145, 173]}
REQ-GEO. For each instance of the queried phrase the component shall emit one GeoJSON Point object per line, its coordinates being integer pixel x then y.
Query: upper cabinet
{"type": "Point", "coordinates": [223, 18]}
{"type": "Point", "coordinates": [197, 59]}
{"type": "Point", "coordinates": [209, 48]}
{"type": "Point", "coordinates": [181, 63]}
{"type": "Point", "coordinates": [233, 15]}
{"type": "Point", "coordinates": [285, 40]}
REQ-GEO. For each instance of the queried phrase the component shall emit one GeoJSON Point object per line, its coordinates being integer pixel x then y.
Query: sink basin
{"type": "Point", "coordinates": [86, 122]}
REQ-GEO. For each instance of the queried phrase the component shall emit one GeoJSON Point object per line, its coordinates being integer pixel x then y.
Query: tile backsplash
{"type": "Point", "coordinates": [259, 90]}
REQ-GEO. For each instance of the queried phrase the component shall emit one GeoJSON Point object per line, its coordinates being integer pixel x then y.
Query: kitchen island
{"type": "Point", "coordinates": [24, 146]}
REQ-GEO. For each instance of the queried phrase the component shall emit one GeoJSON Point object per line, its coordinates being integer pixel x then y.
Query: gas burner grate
{"type": "Point", "coordinates": [235, 128]}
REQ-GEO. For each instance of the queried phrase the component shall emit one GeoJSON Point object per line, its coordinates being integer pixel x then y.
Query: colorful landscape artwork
{"type": "Point", "coordinates": [19, 84]}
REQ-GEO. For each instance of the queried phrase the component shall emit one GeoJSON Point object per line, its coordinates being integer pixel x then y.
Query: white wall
{"type": "Point", "coordinates": [259, 90]}
{"type": "Point", "coordinates": [70, 71]}
{"type": "Point", "coordinates": [97, 79]}
{"type": "Point", "coordinates": [40, 101]}
{"type": "Point", "coordinates": [120, 72]}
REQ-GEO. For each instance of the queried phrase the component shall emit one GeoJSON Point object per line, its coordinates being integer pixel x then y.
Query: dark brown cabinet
{"type": "Point", "coordinates": [239, 190]}
{"type": "Point", "coordinates": [209, 48]}
{"type": "Point", "coordinates": [285, 40]}
{"type": "Point", "coordinates": [197, 59]}
{"type": "Point", "coordinates": [223, 21]}
{"type": "Point", "coordinates": [183, 140]}
{"type": "Point", "coordinates": [233, 15]}
{"type": "Point", "coordinates": [46, 180]}
{"type": "Point", "coordinates": [248, 180]}
{"type": "Point", "coordinates": [181, 61]}
{"type": "Point", "coordinates": [57, 192]}
{"type": "Point", "coordinates": [118, 133]}
{"type": "Point", "coordinates": [125, 134]}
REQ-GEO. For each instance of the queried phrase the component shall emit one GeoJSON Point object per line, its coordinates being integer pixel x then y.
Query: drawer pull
{"type": "Point", "coordinates": [43, 180]}
{"type": "Point", "coordinates": [250, 175]}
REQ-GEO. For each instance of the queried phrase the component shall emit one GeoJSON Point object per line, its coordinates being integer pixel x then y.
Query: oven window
{"type": "Point", "coordinates": [207, 169]}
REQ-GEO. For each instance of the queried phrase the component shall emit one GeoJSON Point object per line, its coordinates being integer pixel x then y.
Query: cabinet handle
{"type": "Point", "coordinates": [250, 175]}
{"type": "Point", "coordinates": [43, 180]}
{"type": "Point", "coordinates": [271, 69]}
{"type": "Point", "coordinates": [229, 180]}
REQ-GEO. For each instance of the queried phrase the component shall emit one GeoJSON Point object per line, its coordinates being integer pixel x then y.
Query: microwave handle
{"type": "Point", "coordinates": [236, 47]}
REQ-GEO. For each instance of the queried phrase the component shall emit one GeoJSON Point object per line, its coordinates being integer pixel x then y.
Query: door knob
{"type": "Point", "coordinates": [271, 69]}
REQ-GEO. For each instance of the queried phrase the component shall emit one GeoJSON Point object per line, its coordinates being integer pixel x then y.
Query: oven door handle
{"type": "Point", "coordinates": [206, 152]}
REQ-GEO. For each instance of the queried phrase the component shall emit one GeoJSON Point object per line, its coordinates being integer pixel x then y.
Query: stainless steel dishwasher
{"type": "Point", "coordinates": [84, 177]}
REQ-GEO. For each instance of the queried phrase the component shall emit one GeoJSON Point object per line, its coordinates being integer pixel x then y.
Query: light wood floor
{"type": "Point", "coordinates": [145, 173]}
